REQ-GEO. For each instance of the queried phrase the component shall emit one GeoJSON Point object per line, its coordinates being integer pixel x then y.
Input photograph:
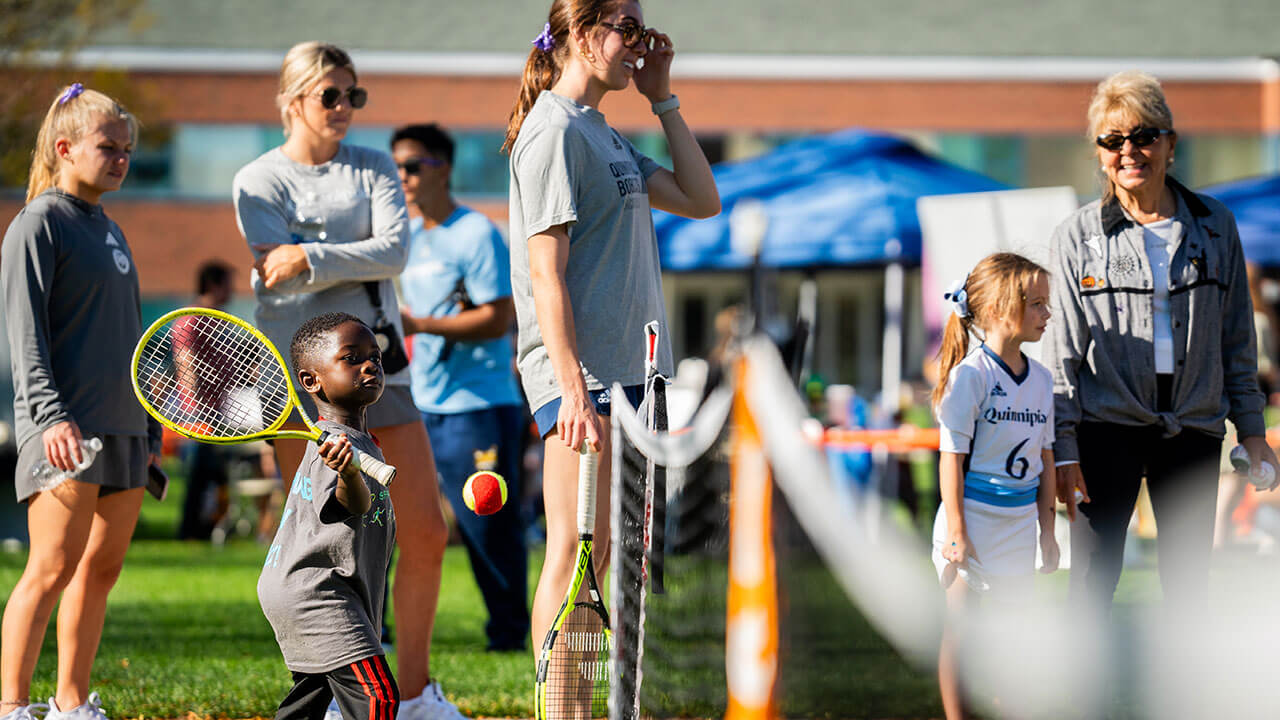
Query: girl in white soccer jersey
{"type": "Point", "coordinates": [995, 412]}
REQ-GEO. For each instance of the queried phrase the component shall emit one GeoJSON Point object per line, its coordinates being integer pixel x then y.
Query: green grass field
{"type": "Point", "coordinates": [184, 635]}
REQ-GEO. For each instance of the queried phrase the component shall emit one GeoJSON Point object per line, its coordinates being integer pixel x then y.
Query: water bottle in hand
{"type": "Point", "coordinates": [1262, 477]}
{"type": "Point", "coordinates": [48, 477]}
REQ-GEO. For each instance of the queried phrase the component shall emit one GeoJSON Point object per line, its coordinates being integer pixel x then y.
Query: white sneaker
{"type": "Point", "coordinates": [333, 712]}
{"type": "Point", "coordinates": [430, 705]}
{"type": "Point", "coordinates": [34, 711]}
{"type": "Point", "coordinates": [91, 710]}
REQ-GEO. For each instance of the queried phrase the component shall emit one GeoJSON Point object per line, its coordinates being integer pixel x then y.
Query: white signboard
{"type": "Point", "coordinates": [960, 230]}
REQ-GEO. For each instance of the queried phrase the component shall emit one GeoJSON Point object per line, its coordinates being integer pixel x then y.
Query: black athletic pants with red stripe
{"type": "Point", "coordinates": [365, 690]}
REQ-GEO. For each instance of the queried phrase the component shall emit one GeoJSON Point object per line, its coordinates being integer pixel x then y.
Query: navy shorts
{"type": "Point", "coordinates": [545, 416]}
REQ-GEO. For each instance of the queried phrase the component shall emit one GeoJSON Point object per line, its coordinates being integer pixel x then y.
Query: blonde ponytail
{"type": "Point", "coordinates": [994, 291]}
{"type": "Point", "coordinates": [73, 113]}
{"type": "Point", "coordinates": [955, 346]}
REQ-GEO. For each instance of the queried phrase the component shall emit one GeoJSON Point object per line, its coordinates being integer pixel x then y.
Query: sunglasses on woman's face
{"type": "Point", "coordinates": [331, 96]}
{"type": "Point", "coordinates": [413, 165]}
{"type": "Point", "coordinates": [633, 33]}
{"type": "Point", "coordinates": [1141, 137]}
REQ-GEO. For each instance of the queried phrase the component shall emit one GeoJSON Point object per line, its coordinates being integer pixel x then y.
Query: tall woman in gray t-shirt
{"type": "Point", "coordinates": [584, 259]}
{"type": "Point", "coordinates": [72, 312]}
{"type": "Point", "coordinates": [329, 230]}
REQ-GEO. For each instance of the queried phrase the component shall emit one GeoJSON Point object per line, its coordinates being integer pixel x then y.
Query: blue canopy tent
{"type": "Point", "coordinates": [1256, 204]}
{"type": "Point", "coordinates": [832, 200]}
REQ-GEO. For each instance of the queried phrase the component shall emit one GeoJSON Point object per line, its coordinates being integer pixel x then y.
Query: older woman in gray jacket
{"type": "Point", "coordinates": [1151, 348]}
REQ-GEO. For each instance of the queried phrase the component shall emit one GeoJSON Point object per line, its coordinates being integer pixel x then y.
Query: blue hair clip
{"type": "Point", "coordinates": [545, 40]}
{"type": "Point", "coordinates": [959, 298]}
{"type": "Point", "coordinates": [71, 93]}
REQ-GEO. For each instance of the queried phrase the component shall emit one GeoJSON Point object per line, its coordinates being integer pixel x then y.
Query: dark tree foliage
{"type": "Point", "coordinates": [38, 40]}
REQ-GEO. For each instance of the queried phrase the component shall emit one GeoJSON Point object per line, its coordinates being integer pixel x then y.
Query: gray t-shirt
{"type": "Point", "coordinates": [73, 315]}
{"type": "Point", "coordinates": [322, 584]}
{"type": "Point", "coordinates": [569, 167]}
{"type": "Point", "coordinates": [366, 237]}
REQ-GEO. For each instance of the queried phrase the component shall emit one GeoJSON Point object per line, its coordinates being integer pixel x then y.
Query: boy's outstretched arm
{"type": "Point", "coordinates": [352, 492]}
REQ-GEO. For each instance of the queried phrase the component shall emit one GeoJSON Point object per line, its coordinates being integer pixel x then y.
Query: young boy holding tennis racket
{"type": "Point", "coordinates": [322, 584]}
{"type": "Point", "coordinates": [995, 416]}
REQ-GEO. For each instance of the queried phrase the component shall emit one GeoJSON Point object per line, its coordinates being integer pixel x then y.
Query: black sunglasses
{"type": "Point", "coordinates": [356, 97]}
{"type": "Point", "coordinates": [632, 33]}
{"type": "Point", "coordinates": [413, 165]}
{"type": "Point", "coordinates": [1141, 137]}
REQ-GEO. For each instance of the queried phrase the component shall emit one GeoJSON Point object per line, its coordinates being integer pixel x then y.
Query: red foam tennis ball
{"type": "Point", "coordinates": [485, 492]}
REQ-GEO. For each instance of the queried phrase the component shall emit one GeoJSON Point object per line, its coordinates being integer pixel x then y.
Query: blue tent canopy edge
{"type": "Point", "coordinates": [1256, 204]}
{"type": "Point", "coordinates": [843, 199]}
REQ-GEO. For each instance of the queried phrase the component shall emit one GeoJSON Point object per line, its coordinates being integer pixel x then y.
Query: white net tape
{"type": "Point", "coordinates": [1041, 656]}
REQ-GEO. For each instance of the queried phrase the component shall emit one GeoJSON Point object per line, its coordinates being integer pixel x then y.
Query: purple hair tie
{"type": "Point", "coordinates": [71, 93]}
{"type": "Point", "coordinates": [545, 40]}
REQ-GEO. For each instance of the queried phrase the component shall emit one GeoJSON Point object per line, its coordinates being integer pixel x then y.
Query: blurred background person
{"type": "Point", "coordinates": [206, 499]}
{"type": "Point", "coordinates": [457, 285]}
{"type": "Point", "coordinates": [1264, 327]}
{"type": "Point", "coordinates": [1238, 502]}
{"type": "Point", "coordinates": [329, 231]}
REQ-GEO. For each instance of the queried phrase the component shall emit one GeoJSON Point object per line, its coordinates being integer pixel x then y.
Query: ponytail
{"type": "Point", "coordinates": [73, 113]}
{"type": "Point", "coordinates": [955, 346]}
{"type": "Point", "coordinates": [549, 55]}
{"type": "Point", "coordinates": [540, 73]}
{"type": "Point", "coordinates": [993, 292]}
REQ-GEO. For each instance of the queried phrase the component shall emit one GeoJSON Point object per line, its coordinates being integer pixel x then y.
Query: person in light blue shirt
{"type": "Point", "coordinates": [457, 287]}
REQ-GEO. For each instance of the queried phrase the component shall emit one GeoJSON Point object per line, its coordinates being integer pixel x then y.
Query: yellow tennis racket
{"type": "Point", "coordinates": [573, 673]}
{"type": "Point", "coordinates": [213, 377]}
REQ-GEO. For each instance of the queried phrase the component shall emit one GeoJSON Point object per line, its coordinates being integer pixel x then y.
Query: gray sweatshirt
{"type": "Point", "coordinates": [323, 583]}
{"type": "Point", "coordinates": [1100, 341]}
{"type": "Point", "coordinates": [366, 227]}
{"type": "Point", "coordinates": [73, 315]}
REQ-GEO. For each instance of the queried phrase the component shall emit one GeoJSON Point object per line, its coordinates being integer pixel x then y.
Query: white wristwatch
{"type": "Point", "coordinates": [671, 103]}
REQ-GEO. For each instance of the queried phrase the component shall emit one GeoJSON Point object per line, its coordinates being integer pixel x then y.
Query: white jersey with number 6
{"type": "Point", "coordinates": [1002, 422]}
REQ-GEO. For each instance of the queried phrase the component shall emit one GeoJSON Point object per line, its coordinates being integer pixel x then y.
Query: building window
{"type": "Point", "coordinates": [194, 161]}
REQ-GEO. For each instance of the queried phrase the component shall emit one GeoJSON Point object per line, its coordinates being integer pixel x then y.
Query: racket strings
{"type": "Point", "coordinates": [212, 377]}
{"type": "Point", "coordinates": [578, 672]}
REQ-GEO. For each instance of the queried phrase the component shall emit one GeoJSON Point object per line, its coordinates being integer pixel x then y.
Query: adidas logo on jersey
{"type": "Point", "coordinates": [998, 391]}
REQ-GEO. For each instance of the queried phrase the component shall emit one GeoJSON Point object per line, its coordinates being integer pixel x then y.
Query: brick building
{"type": "Point", "coordinates": [998, 86]}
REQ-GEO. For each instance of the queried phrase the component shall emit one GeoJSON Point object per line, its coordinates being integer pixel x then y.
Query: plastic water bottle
{"type": "Point", "coordinates": [48, 477]}
{"type": "Point", "coordinates": [1262, 477]}
{"type": "Point", "coordinates": [973, 579]}
{"type": "Point", "coordinates": [307, 224]}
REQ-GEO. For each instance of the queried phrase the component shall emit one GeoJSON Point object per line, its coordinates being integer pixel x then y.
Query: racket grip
{"type": "Point", "coordinates": [369, 465]}
{"type": "Point", "coordinates": [375, 468]}
{"type": "Point", "coordinates": [588, 461]}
